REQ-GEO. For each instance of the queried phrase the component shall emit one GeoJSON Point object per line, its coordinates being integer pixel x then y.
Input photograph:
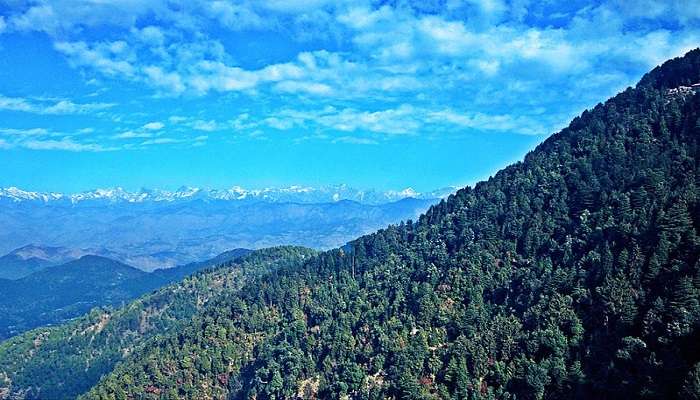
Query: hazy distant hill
{"type": "Point", "coordinates": [31, 258]}
{"type": "Point", "coordinates": [153, 232]}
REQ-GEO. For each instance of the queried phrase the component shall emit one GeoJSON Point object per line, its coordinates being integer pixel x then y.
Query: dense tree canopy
{"type": "Point", "coordinates": [64, 361]}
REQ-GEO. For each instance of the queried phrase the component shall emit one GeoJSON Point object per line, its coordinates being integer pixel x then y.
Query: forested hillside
{"type": "Point", "coordinates": [572, 274]}
{"type": "Point", "coordinates": [58, 293]}
{"type": "Point", "coordinates": [62, 362]}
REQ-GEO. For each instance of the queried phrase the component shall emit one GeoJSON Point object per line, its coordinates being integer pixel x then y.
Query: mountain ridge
{"type": "Point", "coordinates": [32, 258]}
{"type": "Point", "coordinates": [291, 194]}
{"type": "Point", "coordinates": [57, 293]}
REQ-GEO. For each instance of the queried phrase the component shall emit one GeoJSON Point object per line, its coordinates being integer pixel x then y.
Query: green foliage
{"type": "Point", "coordinates": [64, 361]}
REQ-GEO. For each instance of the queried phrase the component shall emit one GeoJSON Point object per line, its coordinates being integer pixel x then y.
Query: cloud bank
{"type": "Point", "coordinates": [352, 72]}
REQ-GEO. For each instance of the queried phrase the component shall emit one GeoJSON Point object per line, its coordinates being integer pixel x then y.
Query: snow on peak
{"type": "Point", "coordinates": [16, 195]}
{"type": "Point", "coordinates": [293, 194]}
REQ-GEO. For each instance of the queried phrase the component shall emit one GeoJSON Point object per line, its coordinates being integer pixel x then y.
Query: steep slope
{"type": "Point", "coordinates": [57, 293]}
{"type": "Point", "coordinates": [64, 361]}
{"type": "Point", "coordinates": [167, 275]}
{"type": "Point", "coordinates": [572, 274]}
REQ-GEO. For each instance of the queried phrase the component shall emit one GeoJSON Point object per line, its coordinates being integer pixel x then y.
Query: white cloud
{"type": "Point", "coordinates": [132, 135]}
{"type": "Point", "coordinates": [279, 123]}
{"type": "Point", "coordinates": [46, 107]}
{"type": "Point", "coordinates": [151, 35]}
{"type": "Point", "coordinates": [99, 56]}
{"type": "Point", "coordinates": [41, 17]}
{"type": "Point", "coordinates": [154, 126]}
{"type": "Point", "coordinates": [207, 126]}
{"type": "Point", "coordinates": [24, 132]}
{"type": "Point", "coordinates": [401, 68]}
{"type": "Point", "coordinates": [15, 104]}
{"type": "Point", "coordinates": [68, 107]}
{"type": "Point", "coordinates": [390, 121]}
{"type": "Point", "coordinates": [406, 119]}
{"type": "Point", "coordinates": [161, 141]}
{"type": "Point", "coordinates": [176, 119]}
{"type": "Point", "coordinates": [44, 139]}
{"type": "Point", "coordinates": [354, 140]}
{"type": "Point", "coordinates": [315, 88]}
{"type": "Point", "coordinates": [685, 11]}
{"type": "Point", "coordinates": [211, 75]}
{"type": "Point", "coordinates": [203, 67]}
{"type": "Point", "coordinates": [488, 122]}
{"type": "Point", "coordinates": [489, 6]}
{"type": "Point", "coordinates": [400, 120]}
{"type": "Point", "coordinates": [293, 6]}
{"type": "Point", "coordinates": [243, 122]}
{"type": "Point", "coordinates": [61, 17]}
{"type": "Point", "coordinates": [170, 81]}
{"type": "Point", "coordinates": [360, 18]}
{"type": "Point", "coordinates": [449, 38]}
{"type": "Point", "coordinates": [235, 16]}
{"type": "Point", "coordinates": [65, 144]}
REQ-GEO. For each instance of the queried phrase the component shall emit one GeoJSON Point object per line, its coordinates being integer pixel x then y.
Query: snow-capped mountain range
{"type": "Point", "coordinates": [291, 194]}
{"type": "Point", "coordinates": [152, 229]}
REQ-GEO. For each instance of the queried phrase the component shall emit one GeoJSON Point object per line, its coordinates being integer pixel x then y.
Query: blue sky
{"type": "Point", "coordinates": [163, 93]}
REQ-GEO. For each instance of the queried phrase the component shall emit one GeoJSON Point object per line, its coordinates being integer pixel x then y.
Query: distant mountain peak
{"type": "Point", "coordinates": [49, 253]}
{"type": "Point", "coordinates": [292, 194]}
